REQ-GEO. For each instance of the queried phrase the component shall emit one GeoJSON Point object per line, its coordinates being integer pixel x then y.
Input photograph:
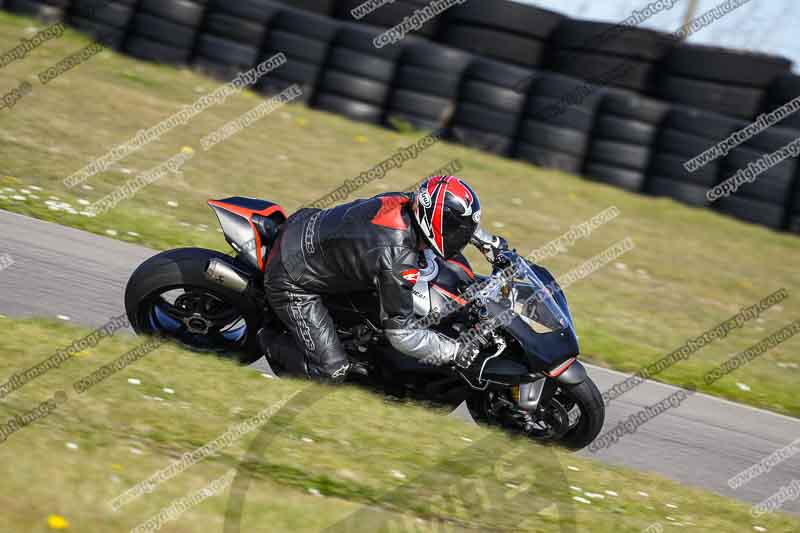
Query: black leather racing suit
{"type": "Point", "coordinates": [360, 246]}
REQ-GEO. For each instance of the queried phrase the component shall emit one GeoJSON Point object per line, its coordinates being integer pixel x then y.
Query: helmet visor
{"type": "Point", "coordinates": [458, 231]}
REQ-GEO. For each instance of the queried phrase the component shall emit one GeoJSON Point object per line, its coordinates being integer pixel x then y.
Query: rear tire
{"type": "Point", "coordinates": [185, 268]}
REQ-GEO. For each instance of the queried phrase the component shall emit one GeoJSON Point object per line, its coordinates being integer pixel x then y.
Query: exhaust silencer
{"type": "Point", "coordinates": [227, 276]}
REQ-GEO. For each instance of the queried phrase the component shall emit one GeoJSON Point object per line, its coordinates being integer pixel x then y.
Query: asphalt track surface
{"type": "Point", "coordinates": [63, 271]}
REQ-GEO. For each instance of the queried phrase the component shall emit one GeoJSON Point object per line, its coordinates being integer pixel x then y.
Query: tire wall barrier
{"type": "Point", "coordinates": [622, 105]}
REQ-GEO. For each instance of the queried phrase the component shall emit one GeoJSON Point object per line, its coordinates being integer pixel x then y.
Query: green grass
{"type": "Point", "coordinates": [351, 453]}
{"type": "Point", "coordinates": [690, 269]}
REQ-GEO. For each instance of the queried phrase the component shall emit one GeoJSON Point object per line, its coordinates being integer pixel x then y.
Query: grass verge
{"type": "Point", "coordinates": [348, 455]}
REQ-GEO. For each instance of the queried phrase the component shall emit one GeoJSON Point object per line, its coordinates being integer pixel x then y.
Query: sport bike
{"type": "Point", "coordinates": [530, 381]}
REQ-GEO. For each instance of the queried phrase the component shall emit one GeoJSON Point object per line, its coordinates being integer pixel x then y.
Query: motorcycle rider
{"type": "Point", "coordinates": [369, 244]}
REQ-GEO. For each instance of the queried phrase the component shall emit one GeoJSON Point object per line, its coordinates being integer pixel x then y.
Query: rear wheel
{"type": "Point", "coordinates": [170, 295]}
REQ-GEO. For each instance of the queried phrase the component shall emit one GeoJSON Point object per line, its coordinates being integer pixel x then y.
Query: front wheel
{"type": "Point", "coordinates": [590, 411]}
{"type": "Point", "coordinates": [572, 417]}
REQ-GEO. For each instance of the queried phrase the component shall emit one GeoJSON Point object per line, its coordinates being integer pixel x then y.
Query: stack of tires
{"type": "Point", "coordinates": [165, 30]}
{"type": "Point", "coordinates": [783, 91]}
{"type": "Point", "coordinates": [623, 139]}
{"type": "Point", "coordinates": [608, 54]}
{"type": "Point", "coordinates": [685, 134]}
{"type": "Point", "coordinates": [557, 122]}
{"type": "Point", "coordinates": [47, 10]}
{"type": "Point", "coordinates": [305, 39]}
{"type": "Point", "coordinates": [389, 14]}
{"type": "Point", "coordinates": [508, 31]}
{"type": "Point", "coordinates": [722, 81]}
{"type": "Point", "coordinates": [767, 199]}
{"type": "Point", "coordinates": [232, 35]}
{"type": "Point", "coordinates": [490, 105]}
{"type": "Point", "coordinates": [357, 79]}
{"type": "Point", "coordinates": [106, 22]}
{"type": "Point", "coordinates": [320, 7]}
{"type": "Point", "coordinates": [425, 88]}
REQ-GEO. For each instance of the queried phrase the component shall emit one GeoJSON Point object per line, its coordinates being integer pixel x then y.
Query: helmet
{"type": "Point", "coordinates": [447, 212]}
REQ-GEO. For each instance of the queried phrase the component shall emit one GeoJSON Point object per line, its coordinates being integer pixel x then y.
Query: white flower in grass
{"type": "Point", "coordinates": [25, 191]}
{"type": "Point", "coordinates": [88, 214]}
{"type": "Point", "coordinates": [72, 446]}
{"type": "Point", "coordinates": [581, 500]}
{"type": "Point", "coordinates": [168, 390]}
{"type": "Point", "coordinates": [18, 197]}
{"type": "Point", "coordinates": [133, 234]}
{"type": "Point", "coordinates": [172, 203]}
{"type": "Point", "coordinates": [760, 529]}
{"type": "Point", "coordinates": [87, 187]}
{"type": "Point", "coordinates": [621, 266]}
{"type": "Point", "coordinates": [594, 496]}
{"type": "Point", "coordinates": [136, 451]}
{"type": "Point", "coordinates": [398, 474]}
{"type": "Point", "coordinates": [307, 440]}
{"type": "Point", "coordinates": [111, 232]}
{"type": "Point", "coordinates": [611, 493]}
{"type": "Point", "coordinates": [671, 505]}
{"type": "Point", "coordinates": [574, 468]}
{"type": "Point", "coordinates": [65, 318]}
{"type": "Point", "coordinates": [84, 202]}
{"type": "Point", "coordinates": [35, 188]}
{"type": "Point", "coordinates": [640, 493]}
{"type": "Point", "coordinates": [134, 381]}
{"type": "Point", "coordinates": [314, 491]}
{"type": "Point", "coordinates": [577, 489]}
{"type": "Point", "coordinates": [743, 386]}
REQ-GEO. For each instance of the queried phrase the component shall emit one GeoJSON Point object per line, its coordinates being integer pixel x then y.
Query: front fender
{"type": "Point", "coordinates": [574, 375]}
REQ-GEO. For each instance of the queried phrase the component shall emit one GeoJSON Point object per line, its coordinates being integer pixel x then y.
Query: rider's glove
{"type": "Point", "coordinates": [490, 245]}
{"type": "Point", "coordinates": [468, 352]}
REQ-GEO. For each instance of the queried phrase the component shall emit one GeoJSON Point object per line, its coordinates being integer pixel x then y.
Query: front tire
{"type": "Point", "coordinates": [169, 294]}
{"type": "Point", "coordinates": [593, 414]}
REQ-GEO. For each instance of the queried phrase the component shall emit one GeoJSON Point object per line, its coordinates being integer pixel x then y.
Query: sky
{"type": "Point", "coordinates": [767, 26]}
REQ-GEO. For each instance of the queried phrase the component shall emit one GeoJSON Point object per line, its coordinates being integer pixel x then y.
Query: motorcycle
{"type": "Point", "coordinates": [530, 383]}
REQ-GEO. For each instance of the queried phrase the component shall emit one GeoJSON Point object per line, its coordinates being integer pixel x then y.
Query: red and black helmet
{"type": "Point", "coordinates": [447, 212]}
